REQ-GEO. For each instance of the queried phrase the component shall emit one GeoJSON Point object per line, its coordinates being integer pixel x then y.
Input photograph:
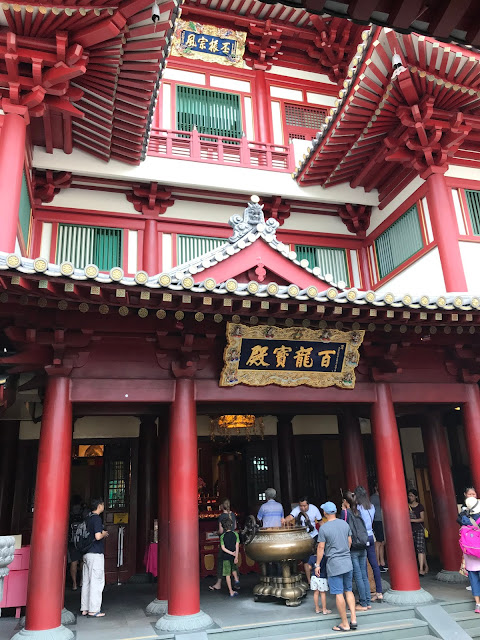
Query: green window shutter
{"type": "Point", "coordinates": [333, 261]}
{"type": "Point", "coordinates": [212, 112]}
{"type": "Point", "coordinates": [399, 242]}
{"type": "Point", "coordinates": [25, 211]}
{"type": "Point", "coordinates": [473, 203]}
{"type": "Point", "coordinates": [80, 245]}
{"type": "Point", "coordinates": [191, 247]}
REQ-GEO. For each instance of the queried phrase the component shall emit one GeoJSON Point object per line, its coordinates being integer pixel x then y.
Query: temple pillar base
{"type": "Point", "coordinates": [182, 624]}
{"type": "Point", "coordinates": [59, 633]}
{"type": "Point", "coordinates": [453, 577]}
{"type": "Point", "coordinates": [400, 598]}
{"type": "Point", "coordinates": [157, 607]}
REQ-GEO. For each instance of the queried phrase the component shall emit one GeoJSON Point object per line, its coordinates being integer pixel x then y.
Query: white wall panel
{"type": "Point", "coordinates": [470, 252]}
{"type": "Point", "coordinates": [277, 122]}
{"type": "Point", "coordinates": [46, 240]}
{"type": "Point", "coordinates": [286, 94]}
{"type": "Point", "coordinates": [424, 276]}
{"type": "Point", "coordinates": [300, 75]}
{"type": "Point", "coordinates": [93, 201]}
{"type": "Point", "coordinates": [355, 268]}
{"type": "Point", "coordinates": [167, 257]}
{"type": "Point", "coordinates": [184, 76]}
{"type": "Point", "coordinates": [132, 265]}
{"type": "Point", "coordinates": [167, 121]}
{"type": "Point", "coordinates": [203, 211]}
{"type": "Point", "coordinates": [248, 110]}
{"type": "Point", "coordinates": [459, 213]}
{"type": "Point", "coordinates": [318, 98]}
{"type": "Point", "coordinates": [428, 222]}
{"type": "Point", "coordinates": [307, 425]}
{"type": "Point", "coordinates": [230, 84]}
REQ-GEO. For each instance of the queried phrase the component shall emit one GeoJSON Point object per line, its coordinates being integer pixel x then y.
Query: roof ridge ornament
{"type": "Point", "coordinates": [253, 219]}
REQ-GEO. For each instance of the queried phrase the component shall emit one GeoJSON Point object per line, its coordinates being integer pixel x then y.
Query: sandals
{"type": "Point", "coordinates": [339, 628]}
{"type": "Point", "coordinates": [233, 594]}
{"type": "Point", "coordinates": [99, 614]}
{"type": "Point", "coordinates": [212, 588]}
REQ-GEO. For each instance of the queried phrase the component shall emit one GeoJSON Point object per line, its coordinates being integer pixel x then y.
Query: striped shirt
{"type": "Point", "coordinates": [271, 514]}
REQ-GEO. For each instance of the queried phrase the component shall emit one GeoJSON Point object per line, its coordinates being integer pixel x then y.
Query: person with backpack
{"type": "Point", "coordinates": [358, 550]}
{"type": "Point", "coordinates": [367, 511]}
{"type": "Point", "coordinates": [78, 514]}
{"type": "Point", "coordinates": [470, 545]}
{"type": "Point", "coordinates": [94, 562]}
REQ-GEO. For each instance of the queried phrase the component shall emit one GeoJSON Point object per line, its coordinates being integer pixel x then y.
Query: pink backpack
{"type": "Point", "coordinates": [470, 539]}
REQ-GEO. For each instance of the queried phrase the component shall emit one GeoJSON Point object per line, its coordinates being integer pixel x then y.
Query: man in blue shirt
{"type": "Point", "coordinates": [271, 511]}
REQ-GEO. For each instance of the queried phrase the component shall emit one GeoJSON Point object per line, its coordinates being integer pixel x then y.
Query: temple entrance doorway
{"type": "Point", "coordinates": [104, 469]}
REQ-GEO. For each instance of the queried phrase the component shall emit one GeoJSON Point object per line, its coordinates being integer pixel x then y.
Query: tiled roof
{"type": "Point", "coordinates": [184, 277]}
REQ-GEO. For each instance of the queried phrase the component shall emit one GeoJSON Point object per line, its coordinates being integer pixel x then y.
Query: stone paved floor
{"type": "Point", "coordinates": [126, 619]}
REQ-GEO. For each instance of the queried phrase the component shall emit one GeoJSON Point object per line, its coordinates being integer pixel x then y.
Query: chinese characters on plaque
{"type": "Point", "coordinates": [208, 43]}
{"type": "Point", "coordinates": [289, 357]}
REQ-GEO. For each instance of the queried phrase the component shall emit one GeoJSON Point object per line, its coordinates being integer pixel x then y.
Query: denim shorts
{"type": "Point", "coordinates": [340, 584]}
{"type": "Point", "coordinates": [474, 577]}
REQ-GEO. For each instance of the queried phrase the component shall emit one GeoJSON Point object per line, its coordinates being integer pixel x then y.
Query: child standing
{"type": "Point", "coordinates": [229, 544]}
{"type": "Point", "coordinates": [319, 585]}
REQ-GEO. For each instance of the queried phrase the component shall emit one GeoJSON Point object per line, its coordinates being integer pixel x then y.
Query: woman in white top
{"type": "Point", "coordinates": [367, 511]}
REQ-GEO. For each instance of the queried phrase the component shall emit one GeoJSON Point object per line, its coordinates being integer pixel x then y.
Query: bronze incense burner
{"type": "Point", "coordinates": [283, 546]}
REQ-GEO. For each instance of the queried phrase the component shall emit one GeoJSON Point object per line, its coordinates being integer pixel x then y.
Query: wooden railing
{"type": "Point", "coordinates": [202, 147]}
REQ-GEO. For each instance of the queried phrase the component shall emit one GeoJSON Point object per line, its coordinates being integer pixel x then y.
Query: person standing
{"type": "Point", "coordinates": [94, 563]}
{"type": "Point", "coordinates": [271, 512]}
{"type": "Point", "coordinates": [226, 515]}
{"type": "Point", "coordinates": [78, 513]}
{"type": "Point", "coordinates": [313, 514]}
{"type": "Point", "coordinates": [334, 541]}
{"type": "Point", "coordinates": [378, 529]}
{"type": "Point", "coordinates": [417, 518]}
{"type": "Point", "coordinates": [358, 550]}
{"type": "Point", "coordinates": [469, 516]}
{"type": "Point", "coordinates": [367, 511]}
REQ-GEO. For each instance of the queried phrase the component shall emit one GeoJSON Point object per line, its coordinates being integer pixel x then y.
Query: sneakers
{"type": "Point", "coordinates": [469, 588]}
{"type": "Point", "coordinates": [477, 608]}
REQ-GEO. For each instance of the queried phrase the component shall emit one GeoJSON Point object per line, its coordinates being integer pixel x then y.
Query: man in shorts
{"type": "Point", "coordinates": [334, 541]}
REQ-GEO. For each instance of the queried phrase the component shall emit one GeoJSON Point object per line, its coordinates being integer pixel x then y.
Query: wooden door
{"type": "Point", "coordinates": [425, 497]}
{"type": "Point", "coordinates": [258, 460]}
{"type": "Point", "coordinates": [120, 544]}
{"type": "Point", "coordinates": [311, 469]}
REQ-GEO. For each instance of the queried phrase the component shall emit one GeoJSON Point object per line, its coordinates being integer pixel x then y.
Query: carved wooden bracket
{"type": "Point", "coordinates": [47, 184]}
{"type": "Point", "coordinates": [277, 209]}
{"type": "Point", "coordinates": [150, 199]}
{"type": "Point", "coordinates": [263, 46]}
{"type": "Point", "coordinates": [356, 218]}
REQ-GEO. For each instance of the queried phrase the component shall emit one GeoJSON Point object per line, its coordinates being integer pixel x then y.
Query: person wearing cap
{"type": "Point", "coordinates": [472, 563]}
{"type": "Point", "coordinates": [334, 541]}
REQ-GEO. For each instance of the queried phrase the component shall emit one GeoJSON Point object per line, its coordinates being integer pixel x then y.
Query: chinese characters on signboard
{"type": "Point", "coordinates": [208, 43]}
{"type": "Point", "coordinates": [290, 357]}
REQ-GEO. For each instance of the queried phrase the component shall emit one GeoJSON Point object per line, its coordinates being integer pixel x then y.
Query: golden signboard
{"type": "Point", "coordinates": [208, 43]}
{"type": "Point", "coordinates": [290, 357]}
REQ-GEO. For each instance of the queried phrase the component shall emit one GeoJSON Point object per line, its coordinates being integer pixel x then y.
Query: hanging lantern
{"type": "Point", "coordinates": [227, 426]}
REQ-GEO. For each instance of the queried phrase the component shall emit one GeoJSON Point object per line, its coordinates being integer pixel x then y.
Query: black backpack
{"type": "Point", "coordinates": [80, 536]}
{"type": "Point", "coordinates": [359, 532]}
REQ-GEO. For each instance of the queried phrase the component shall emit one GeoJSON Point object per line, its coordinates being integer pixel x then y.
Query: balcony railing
{"type": "Point", "coordinates": [238, 152]}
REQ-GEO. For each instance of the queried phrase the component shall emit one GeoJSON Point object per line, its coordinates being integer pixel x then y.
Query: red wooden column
{"type": "Point", "coordinates": [286, 461]}
{"type": "Point", "coordinates": [445, 231]}
{"type": "Point", "coordinates": [184, 572]}
{"type": "Point", "coordinates": [443, 492]}
{"type": "Point", "coordinates": [150, 247]}
{"type": "Point", "coordinates": [147, 489]}
{"type": "Point", "coordinates": [12, 158]}
{"type": "Point", "coordinates": [46, 581]}
{"type": "Point", "coordinates": [402, 562]}
{"type": "Point", "coordinates": [354, 463]}
{"type": "Point", "coordinates": [471, 416]}
{"type": "Point", "coordinates": [160, 604]}
{"type": "Point", "coordinates": [9, 431]}
{"type": "Point", "coordinates": [262, 108]}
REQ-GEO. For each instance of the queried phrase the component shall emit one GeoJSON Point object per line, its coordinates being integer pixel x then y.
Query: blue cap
{"type": "Point", "coordinates": [329, 508]}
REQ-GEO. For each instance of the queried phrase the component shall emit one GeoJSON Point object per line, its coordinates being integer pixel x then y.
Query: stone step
{"type": "Point", "coordinates": [456, 607]}
{"type": "Point", "coordinates": [369, 630]}
{"type": "Point", "coordinates": [387, 619]}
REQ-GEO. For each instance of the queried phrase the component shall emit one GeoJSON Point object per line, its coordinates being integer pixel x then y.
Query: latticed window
{"type": "Point", "coordinates": [473, 204]}
{"type": "Point", "coordinates": [302, 123]}
{"type": "Point", "coordinates": [212, 112]}
{"type": "Point", "coordinates": [80, 245]}
{"type": "Point", "coordinates": [330, 261]}
{"type": "Point", "coordinates": [191, 247]}
{"type": "Point", "coordinates": [399, 242]}
{"type": "Point", "coordinates": [117, 484]}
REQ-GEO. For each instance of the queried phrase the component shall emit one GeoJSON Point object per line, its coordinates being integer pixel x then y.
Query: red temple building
{"type": "Point", "coordinates": [234, 168]}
